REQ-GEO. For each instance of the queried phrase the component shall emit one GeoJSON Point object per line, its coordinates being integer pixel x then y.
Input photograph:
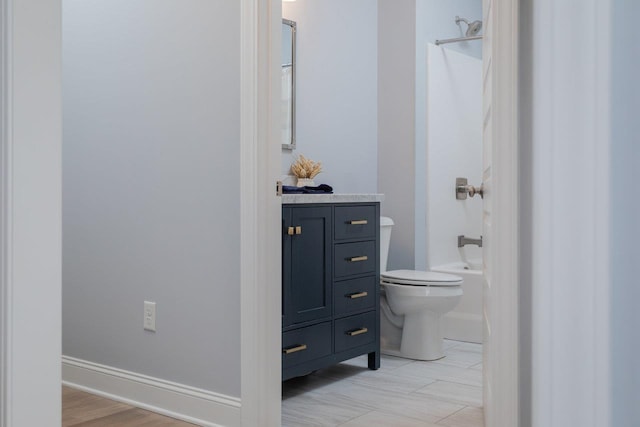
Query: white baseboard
{"type": "Point", "coordinates": [178, 401]}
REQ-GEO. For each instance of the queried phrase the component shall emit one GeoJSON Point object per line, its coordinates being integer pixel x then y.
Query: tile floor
{"type": "Point", "coordinates": [402, 393]}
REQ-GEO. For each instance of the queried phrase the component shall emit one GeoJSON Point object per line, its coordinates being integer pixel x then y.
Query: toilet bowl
{"type": "Point", "coordinates": [421, 298]}
{"type": "Point", "coordinates": [412, 305]}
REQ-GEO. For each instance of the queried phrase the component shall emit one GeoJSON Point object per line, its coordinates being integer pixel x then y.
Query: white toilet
{"type": "Point", "coordinates": [412, 304]}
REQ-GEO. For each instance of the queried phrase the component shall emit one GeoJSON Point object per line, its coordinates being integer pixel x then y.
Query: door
{"type": "Point", "coordinates": [487, 128]}
{"type": "Point", "coordinates": [500, 213]}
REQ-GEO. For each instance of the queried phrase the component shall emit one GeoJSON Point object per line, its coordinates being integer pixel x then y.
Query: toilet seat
{"type": "Point", "coordinates": [420, 278]}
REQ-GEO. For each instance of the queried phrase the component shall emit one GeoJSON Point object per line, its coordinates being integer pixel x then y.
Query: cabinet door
{"type": "Point", "coordinates": [286, 267]}
{"type": "Point", "coordinates": [310, 263]}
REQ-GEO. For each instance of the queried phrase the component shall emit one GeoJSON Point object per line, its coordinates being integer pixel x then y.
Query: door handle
{"type": "Point", "coordinates": [463, 189]}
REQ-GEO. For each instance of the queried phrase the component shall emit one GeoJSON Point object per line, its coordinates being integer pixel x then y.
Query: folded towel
{"type": "Point", "coordinates": [320, 189]}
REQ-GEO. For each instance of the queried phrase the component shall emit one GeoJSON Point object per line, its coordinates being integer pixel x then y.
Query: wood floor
{"type": "Point", "coordinates": [80, 409]}
{"type": "Point", "coordinates": [403, 393]}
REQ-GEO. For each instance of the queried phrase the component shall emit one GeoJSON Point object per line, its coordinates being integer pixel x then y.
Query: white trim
{"type": "Point", "coordinates": [175, 400]}
{"type": "Point", "coordinates": [6, 240]}
{"type": "Point", "coordinates": [570, 219]}
{"type": "Point", "coordinates": [502, 407]}
{"type": "Point", "coordinates": [506, 241]}
{"type": "Point", "coordinates": [30, 176]}
{"type": "Point", "coordinates": [248, 209]}
{"type": "Point", "coordinates": [260, 214]}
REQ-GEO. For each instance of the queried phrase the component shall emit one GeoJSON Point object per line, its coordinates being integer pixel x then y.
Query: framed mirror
{"type": "Point", "coordinates": [288, 104]}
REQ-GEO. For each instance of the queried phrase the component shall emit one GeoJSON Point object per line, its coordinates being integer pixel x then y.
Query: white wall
{"type": "Point", "coordinates": [625, 212]}
{"type": "Point", "coordinates": [151, 193]}
{"type": "Point", "coordinates": [336, 92]}
{"type": "Point", "coordinates": [454, 149]}
{"type": "Point", "coordinates": [30, 210]}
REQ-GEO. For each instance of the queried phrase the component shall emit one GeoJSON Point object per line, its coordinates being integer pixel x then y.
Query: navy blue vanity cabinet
{"type": "Point", "coordinates": [330, 285]}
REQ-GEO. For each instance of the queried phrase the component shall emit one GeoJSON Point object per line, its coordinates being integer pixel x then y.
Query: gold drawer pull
{"type": "Point", "coordinates": [358, 222]}
{"type": "Point", "coordinates": [357, 332]}
{"type": "Point", "coordinates": [357, 295]}
{"type": "Point", "coordinates": [298, 229]}
{"type": "Point", "coordinates": [358, 258]}
{"type": "Point", "coordinates": [290, 231]}
{"type": "Point", "coordinates": [294, 349]}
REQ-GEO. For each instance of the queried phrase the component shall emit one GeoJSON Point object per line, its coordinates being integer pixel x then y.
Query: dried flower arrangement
{"type": "Point", "coordinates": [304, 168]}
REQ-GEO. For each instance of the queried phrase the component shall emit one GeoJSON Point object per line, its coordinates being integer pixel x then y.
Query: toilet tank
{"type": "Point", "coordinates": [386, 224]}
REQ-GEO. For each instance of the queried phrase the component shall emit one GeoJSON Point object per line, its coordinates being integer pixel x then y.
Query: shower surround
{"type": "Point", "coordinates": [454, 149]}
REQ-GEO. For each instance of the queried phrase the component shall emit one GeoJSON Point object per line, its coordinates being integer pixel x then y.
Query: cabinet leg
{"type": "Point", "coordinates": [374, 360]}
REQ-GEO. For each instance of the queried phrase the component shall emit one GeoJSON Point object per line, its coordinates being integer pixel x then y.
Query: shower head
{"type": "Point", "coordinates": [473, 28]}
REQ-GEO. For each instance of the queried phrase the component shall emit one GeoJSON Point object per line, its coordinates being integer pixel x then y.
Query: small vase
{"type": "Point", "coordinates": [305, 182]}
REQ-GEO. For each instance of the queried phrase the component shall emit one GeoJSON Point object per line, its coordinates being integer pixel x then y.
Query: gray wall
{"type": "Point", "coordinates": [396, 124]}
{"type": "Point", "coordinates": [337, 91]}
{"type": "Point", "coordinates": [625, 231]}
{"type": "Point", "coordinates": [150, 188]}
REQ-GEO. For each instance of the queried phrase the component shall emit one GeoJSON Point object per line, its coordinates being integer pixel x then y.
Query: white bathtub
{"type": "Point", "coordinates": [464, 323]}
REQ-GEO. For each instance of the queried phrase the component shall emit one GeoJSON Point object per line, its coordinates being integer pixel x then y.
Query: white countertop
{"type": "Point", "coordinates": [331, 198]}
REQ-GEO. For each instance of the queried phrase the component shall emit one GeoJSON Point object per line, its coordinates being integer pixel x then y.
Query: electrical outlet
{"type": "Point", "coordinates": [150, 316]}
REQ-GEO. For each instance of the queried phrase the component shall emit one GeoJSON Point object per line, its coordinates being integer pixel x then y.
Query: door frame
{"type": "Point", "coordinates": [5, 242]}
{"type": "Point", "coordinates": [260, 403]}
{"type": "Point", "coordinates": [30, 211]}
{"type": "Point", "coordinates": [260, 213]}
{"type": "Point", "coordinates": [568, 143]}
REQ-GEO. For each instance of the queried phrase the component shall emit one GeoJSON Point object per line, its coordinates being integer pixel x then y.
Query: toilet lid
{"type": "Point", "coordinates": [420, 278]}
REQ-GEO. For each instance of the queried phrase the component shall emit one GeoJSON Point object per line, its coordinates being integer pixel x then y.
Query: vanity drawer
{"type": "Point", "coordinates": [355, 331]}
{"type": "Point", "coordinates": [304, 344]}
{"type": "Point", "coordinates": [354, 258]}
{"type": "Point", "coordinates": [355, 222]}
{"type": "Point", "coordinates": [354, 295]}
